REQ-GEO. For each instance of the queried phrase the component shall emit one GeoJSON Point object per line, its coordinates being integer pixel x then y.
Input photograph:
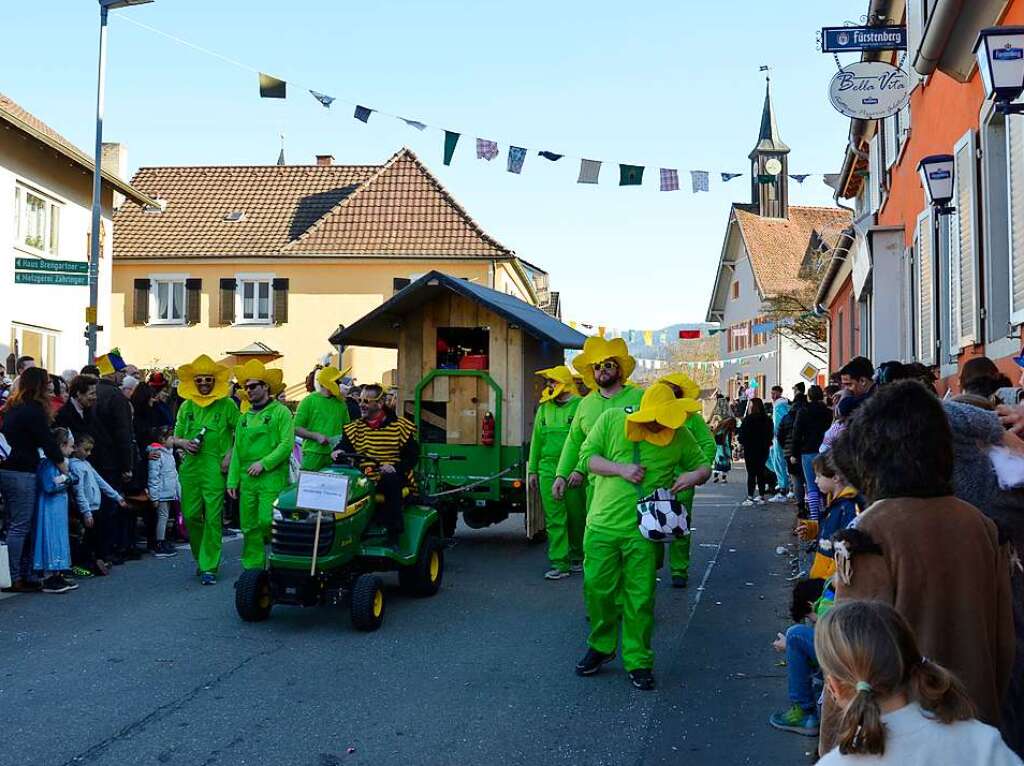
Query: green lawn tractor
{"type": "Point", "coordinates": [320, 563]}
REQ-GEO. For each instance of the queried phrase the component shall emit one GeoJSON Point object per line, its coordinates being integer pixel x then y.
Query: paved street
{"type": "Point", "coordinates": [147, 667]}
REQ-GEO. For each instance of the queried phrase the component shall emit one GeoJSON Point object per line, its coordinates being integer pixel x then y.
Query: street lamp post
{"type": "Point", "coordinates": [1000, 54]}
{"type": "Point", "coordinates": [937, 176]}
{"type": "Point", "coordinates": [97, 208]}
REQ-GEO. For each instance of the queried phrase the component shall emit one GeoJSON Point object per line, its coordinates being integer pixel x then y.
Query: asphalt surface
{"type": "Point", "coordinates": [148, 667]}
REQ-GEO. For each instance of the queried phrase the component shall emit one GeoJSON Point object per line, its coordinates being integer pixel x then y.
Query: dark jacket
{"type": "Point", "coordinates": [809, 428]}
{"type": "Point", "coordinates": [27, 429]}
{"type": "Point", "coordinates": [756, 434]}
{"type": "Point", "coordinates": [68, 417]}
{"type": "Point", "coordinates": [785, 434]}
{"type": "Point", "coordinates": [115, 441]}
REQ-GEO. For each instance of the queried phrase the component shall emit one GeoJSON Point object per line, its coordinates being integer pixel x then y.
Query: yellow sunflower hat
{"type": "Point", "coordinates": [202, 366]}
{"type": "Point", "coordinates": [683, 382]}
{"type": "Point", "coordinates": [328, 379]}
{"type": "Point", "coordinates": [659, 405]}
{"type": "Point", "coordinates": [595, 350]}
{"type": "Point", "coordinates": [563, 380]}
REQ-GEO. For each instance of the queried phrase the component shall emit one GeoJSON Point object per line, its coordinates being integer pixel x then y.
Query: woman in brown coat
{"type": "Point", "coordinates": [935, 558]}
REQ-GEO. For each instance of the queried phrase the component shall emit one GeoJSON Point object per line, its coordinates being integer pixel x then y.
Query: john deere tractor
{"type": "Point", "coordinates": [307, 568]}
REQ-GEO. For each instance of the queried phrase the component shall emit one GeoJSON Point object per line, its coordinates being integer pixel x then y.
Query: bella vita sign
{"type": "Point", "coordinates": [869, 90]}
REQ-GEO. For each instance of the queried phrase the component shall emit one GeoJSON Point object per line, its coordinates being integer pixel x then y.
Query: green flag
{"type": "Point", "coordinates": [631, 175]}
{"type": "Point", "coordinates": [450, 139]}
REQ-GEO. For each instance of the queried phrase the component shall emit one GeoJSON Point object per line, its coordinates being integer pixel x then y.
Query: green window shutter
{"type": "Point", "coordinates": [140, 302]}
{"type": "Point", "coordinates": [280, 301]}
{"type": "Point", "coordinates": [227, 301]}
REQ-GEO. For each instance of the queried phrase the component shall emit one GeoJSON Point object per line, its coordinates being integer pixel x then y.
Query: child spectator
{"type": "Point", "coordinates": [89, 488]}
{"type": "Point", "coordinates": [936, 559]}
{"type": "Point", "coordinates": [723, 450]}
{"type": "Point", "coordinates": [898, 707]}
{"type": "Point", "coordinates": [801, 662]}
{"type": "Point", "coordinates": [52, 550]}
{"type": "Point", "coordinates": [163, 487]}
{"type": "Point", "coordinates": [842, 504]}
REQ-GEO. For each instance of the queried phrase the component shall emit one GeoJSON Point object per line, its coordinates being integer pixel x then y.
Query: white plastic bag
{"type": "Point", "coordinates": [5, 567]}
{"type": "Point", "coordinates": [1009, 467]}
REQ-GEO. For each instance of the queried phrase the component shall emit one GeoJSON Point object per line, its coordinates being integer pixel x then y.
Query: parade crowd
{"type": "Point", "coordinates": [908, 624]}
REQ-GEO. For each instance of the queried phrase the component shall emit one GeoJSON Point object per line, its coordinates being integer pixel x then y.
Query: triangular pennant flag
{"type": "Point", "coordinates": [362, 113]}
{"type": "Point", "coordinates": [726, 177]}
{"type": "Point", "coordinates": [550, 155]}
{"type": "Point", "coordinates": [486, 150]}
{"type": "Point", "coordinates": [648, 338]}
{"type": "Point", "coordinates": [516, 158]}
{"type": "Point", "coordinates": [271, 87]}
{"type": "Point", "coordinates": [323, 98]}
{"type": "Point", "coordinates": [414, 123]}
{"type": "Point", "coordinates": [631, 175]}
{"type": "Point", "coordinates": [450, 140]}
{"type": "Point", "coordinates": [700, 181]}
{"type": "Point", "coordinates": [799, 177]}
{"type": "Point", "coordinates": [589, 171]}
{"type": "Point", "coordinates": [669, 179]}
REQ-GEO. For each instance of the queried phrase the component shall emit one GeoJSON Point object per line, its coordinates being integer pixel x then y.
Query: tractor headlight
{"type": "Point", "coordinates": [276, 512]}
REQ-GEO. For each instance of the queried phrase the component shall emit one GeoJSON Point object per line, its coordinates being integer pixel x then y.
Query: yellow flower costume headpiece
{"type": "Point", "coordinates": [329, 377]}
{"type": "Point", "coordinates": [563, 380]}
{"type": "Point", "coordinates": [659, 405]}
{"type": "Point", "coordinates": [254, 370]}
{"type": "Point", "coordinates": [682, 381]}
{"type": "Point", "coordinates": [203, 365]}
{"type": "Point", "coordinates": [597, 350]}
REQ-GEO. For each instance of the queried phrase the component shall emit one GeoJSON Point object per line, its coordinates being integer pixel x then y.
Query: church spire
{"type": "Point", "coordinates": [769, 163]}
{"type": "Point", "coordinates": [768, 139]}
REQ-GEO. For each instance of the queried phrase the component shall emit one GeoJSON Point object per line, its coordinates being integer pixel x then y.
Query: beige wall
{"type": "Point", "coordinates": [322, 294]}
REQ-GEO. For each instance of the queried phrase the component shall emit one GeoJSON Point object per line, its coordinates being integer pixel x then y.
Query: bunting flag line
{"type": "Point", "coordinates": [799, 177]}
{"type": "Point", "coordinates": [589, 171]}
{"type": "Point", "coordinates": [727, 177]}
{"type": "Point", "coordinates": [762, 328]}
{"type": "Point", "coordinates": [271, 87]}
{"type": "Point", "coordinates": [323, 98]}
{"type": "Point", "coordinates": [362, 113]}
{"type": "Point", "coordinates": [689, 334]}
{"type": "Point", "coordinates": [648, 338]}
{"type": "Point", "coordinates": [486, 150]}
{"type": "Point", "coordinates": [631, 175]}
{"type": "Point", "coordinates": [550, 155]}
{"type": "Point", "coordinates": [414, 123]}
{"type": "Point", "coordinates": [516, 158]}
{"type": "Point", "coordinates": [700, 180]}
{"type": "Point", "coordinates": [451, 138]}
{"type": "Point", "coordinates": [669, 179]}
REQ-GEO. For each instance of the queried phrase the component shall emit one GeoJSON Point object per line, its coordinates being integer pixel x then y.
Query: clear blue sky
{"type": "Point", "coordinates": [663, 83]}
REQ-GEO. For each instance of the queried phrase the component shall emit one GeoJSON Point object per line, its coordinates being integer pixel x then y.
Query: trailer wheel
{"type": "Point", "coordinates": [424, 577]}
{"type": "Point", "coordinates": [253, 599]}
{"type": "Point", "coordinates": [367, 602]}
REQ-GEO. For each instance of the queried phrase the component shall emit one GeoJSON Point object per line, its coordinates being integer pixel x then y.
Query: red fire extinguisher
{"type": "Point", "coordinates": [487, 430]}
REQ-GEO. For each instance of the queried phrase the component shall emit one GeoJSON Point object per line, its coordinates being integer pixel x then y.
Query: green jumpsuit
{"type": "Point", "coordinates": [266, 436]}
{"type": "Point", "coordinates": [324, 415]}
{"type": "Point", "coordinates": [679, 550]}
{"type": "Point", "coordinates": [619, 563]}
{"type": "Point", "coordinates": [202, 481]}
{"type": "Point", "coordinates": [567, 517]}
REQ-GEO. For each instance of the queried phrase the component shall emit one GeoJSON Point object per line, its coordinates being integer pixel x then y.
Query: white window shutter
{"type": "Point", "coordinates": [875, 171]}
{"type": "Point", "coordinates": [925, 289]}
{"type": "Point", "coordinates": [892, 141]}
{"type": "Point", "coordinates": [1015, 154]}
{"type": "Point", "coordinates": [965, 247]}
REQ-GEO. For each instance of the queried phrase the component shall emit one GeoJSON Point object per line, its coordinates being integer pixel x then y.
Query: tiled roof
{"type": "Point", "coordinates": [14, 114]}
{"type": "Point", "coordinates": [777, 246]}
{"type": "Point", "coordinates": [397, 208]}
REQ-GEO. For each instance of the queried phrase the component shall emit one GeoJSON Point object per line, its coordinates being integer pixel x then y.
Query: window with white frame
{"type": "Point", "coordinates": [40, 343]}
{"type": "Point", "coordinates": [36, 221]}
{"type": "Point", "coordinates": [963, 248]}
{"type": "Point", "coordinates": [875, 181]}
{"type": "Point", "coordinates": [254, 299]}
{"type": "Point", "coordinates": [167, 299]}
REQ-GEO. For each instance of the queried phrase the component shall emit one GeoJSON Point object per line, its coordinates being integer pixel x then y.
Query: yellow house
{"type": "Point", "coordinates": [269, 261]}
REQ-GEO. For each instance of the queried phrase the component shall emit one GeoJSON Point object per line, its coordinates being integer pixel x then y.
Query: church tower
{"type": "Point", "coordinates": [769, 166]}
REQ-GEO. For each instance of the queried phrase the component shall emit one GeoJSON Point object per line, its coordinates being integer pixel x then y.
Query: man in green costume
{"type": "Point", "coordinates": [629, 456]}
{"type": "Point", "coordinates": [605, 366]}
{"type": "Point", "coordinates": [204, 431]}
{"type": "Point", "coordinates": [565, 517]}
{"type": "Point", "coordinates": [259, 462]}
{"type": "Point", "coordinates": [320, 418]}
{"type": "Point", "coordinates": [679, 550]}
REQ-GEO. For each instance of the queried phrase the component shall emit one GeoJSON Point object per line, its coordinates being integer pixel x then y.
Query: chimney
{"type": "Point", "coordinates": [114, 160]}
{"type": "Point", "coordinates": [325, 160]}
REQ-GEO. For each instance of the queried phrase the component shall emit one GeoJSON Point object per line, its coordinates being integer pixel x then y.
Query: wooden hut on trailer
{"type": "Point", "coordinates": [466, 361]}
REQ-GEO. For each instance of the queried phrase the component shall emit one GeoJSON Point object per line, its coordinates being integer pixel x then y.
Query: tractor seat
{"type": "Point", "coordinates": [405, 494]}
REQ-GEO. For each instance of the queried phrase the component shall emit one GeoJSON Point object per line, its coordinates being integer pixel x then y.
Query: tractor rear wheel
{"type": "Point", "coordinates": [252, 595]}
{"type": "Point", "coordinates": [423, 578]}
{"type": "Point", "coordinates": [367, 602]}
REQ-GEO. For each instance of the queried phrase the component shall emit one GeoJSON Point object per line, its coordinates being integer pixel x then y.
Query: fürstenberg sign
{"type": "Point", "coordinates": [869, 90]}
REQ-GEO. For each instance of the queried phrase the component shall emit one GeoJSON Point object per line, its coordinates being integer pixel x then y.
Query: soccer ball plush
{"type": "Point", "coordinates": [661, 518]}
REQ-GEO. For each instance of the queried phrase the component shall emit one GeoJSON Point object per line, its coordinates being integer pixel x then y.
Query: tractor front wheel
{"type": "Point", "coordinates": [423, 578]}
{"type": "Point", "coordinates": [367, 602]}
{"type": "Point", "coordinates": [252, 595]}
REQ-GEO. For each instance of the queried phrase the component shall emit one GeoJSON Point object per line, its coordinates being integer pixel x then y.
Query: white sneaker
{"type": "Point", "coordinates": [778, 498]}
{"type": "Point", "coordinates": [748, 502]}
{"type": "Point", "coordinates": [761, 500]}
{"type": "Point", "coordinates": [556, 574]}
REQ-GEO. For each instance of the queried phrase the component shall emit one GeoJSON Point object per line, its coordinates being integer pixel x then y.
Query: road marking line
{"type": "Point", "coordinates": [707, 572]}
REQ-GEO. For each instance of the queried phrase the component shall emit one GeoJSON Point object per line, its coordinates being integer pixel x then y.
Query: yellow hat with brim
{"type": "Point", "coordinates": [203, 366]}
{"type": "Point", "coordinates": [596, 350]}
{"type": "Point", "coordinates": [659, 405]}
{"type": "Point", "coordinates": [329, 377]}
{"type": "Point", "coordinates": [274, 381]}
{"type": "Point", "coordinates": [562, 378]}
{"type": "Point", "coordinates": [682, 381]}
